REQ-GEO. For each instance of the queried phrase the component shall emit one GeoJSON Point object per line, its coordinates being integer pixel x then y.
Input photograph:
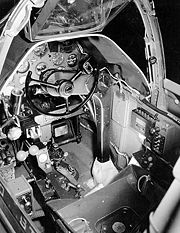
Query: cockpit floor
{"type": "Point", "coordinates": [80, 156]}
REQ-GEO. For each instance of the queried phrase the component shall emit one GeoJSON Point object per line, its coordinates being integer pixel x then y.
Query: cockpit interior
{"type": "Point", "coordinates": [82, 148]}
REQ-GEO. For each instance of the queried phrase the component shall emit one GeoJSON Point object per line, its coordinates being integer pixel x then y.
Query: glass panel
{"type": "Point", "coordinates": [74, 15]}
{"type": "Point", "coordinates": [129, 34]}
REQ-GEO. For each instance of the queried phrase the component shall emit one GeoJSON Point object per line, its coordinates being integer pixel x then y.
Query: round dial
{"type": "Point", "coordinates": [72, 60]}
{"type": "Point", "coordinates": [40, 50]}
{"type": "Point", "coordinates": [40, 67]}
{"type": "Point", "coordinates": [24, 67]}
{"type": "Point", "coordinates": [57, 58]}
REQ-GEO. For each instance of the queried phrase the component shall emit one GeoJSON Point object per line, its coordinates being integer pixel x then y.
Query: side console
{"type": "Point", "coordinates": [13, 217]}
{"type": "Point", "coordinates": [161, 135]}
{"type": "Point", "coordinates": [160, 143]}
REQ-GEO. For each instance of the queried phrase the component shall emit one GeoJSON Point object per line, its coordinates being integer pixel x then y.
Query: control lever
{"type": "Point", "coordinates": [72, 181]}
{"type": "Point", "coordinates": [103, 169]}
{"type": "Point", "coordinates": [78, 188]}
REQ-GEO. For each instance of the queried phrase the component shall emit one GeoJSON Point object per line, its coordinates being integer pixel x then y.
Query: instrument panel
{"type": "Point", "coordinates": [58, 55]}
{"type": "Point", "coordinates": [48, 57]}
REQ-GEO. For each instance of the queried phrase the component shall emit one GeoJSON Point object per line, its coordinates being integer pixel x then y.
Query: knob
{"type": "Point", "coordinates": [27, 204]}
{"type": "Point", "coordinates": [14, 133]}
{"type": "Point", "coordinates": [47, 183]}
{"type": "Point", "coordinates": [157, 129]}
{"type": "Point", "coordinates": [33, 150]}
{"type": "Point", "coordinates": [156, 142]}
{"type": "Point", "coordinates": [150, 158]}
{"type": "Point", "coordinates": [152, 131]}
{"type": "Point", "coordinates": [22, 155]}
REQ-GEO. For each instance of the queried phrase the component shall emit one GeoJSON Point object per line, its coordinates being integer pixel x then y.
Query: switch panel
{"type": "Point", "coordinates": [22, 191]}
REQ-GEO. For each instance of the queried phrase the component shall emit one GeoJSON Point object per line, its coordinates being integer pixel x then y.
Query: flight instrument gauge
{"type": "Point", "coordinates": [24, 67]}
{"type": "Point", "coordinates": [57, 58]}
{"type": "Point", "coordinates": [40, 50]}
{"type": "Point", "coordinates": [72, 60]}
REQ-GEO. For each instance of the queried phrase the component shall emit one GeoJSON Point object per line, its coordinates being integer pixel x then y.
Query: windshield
{"type": "Point", "coordinates": [70, 16]}
{"type": "Point", "coordinates": [130, 34]}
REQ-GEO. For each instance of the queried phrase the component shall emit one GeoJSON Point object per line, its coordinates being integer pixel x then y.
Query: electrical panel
{"type": "Point", "coordinates": [22, 191]}
{"type": "Point", "coordinates": [160, 134]}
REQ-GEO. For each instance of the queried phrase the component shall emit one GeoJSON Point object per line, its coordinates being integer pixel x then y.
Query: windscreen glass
{"type": "Point", "coordinates": [69, 16]}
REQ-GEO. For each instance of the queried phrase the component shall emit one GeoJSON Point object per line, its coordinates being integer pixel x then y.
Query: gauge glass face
{"type": "Point", "coordinates": [72, 60]}
{"type": "Point", "coordinates": [60, 131]}
{"type": "Point", "coordinates": [42, 66]}
{"type": "Point", "coordinates": [40, 50]}
{"type": "Point", "coordinates": [57, 58]}
{"type": "Point", "coordinates": [24, 67]}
